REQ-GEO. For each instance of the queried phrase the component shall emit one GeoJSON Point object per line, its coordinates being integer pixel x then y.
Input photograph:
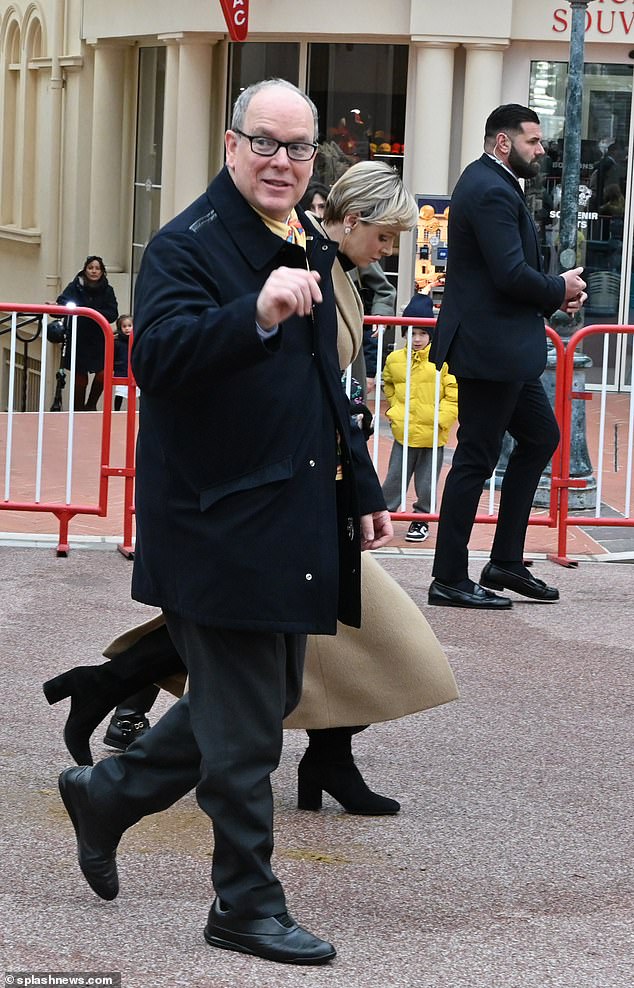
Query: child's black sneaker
{"type": "Point", "coordinates": [122, 731]}
{"type": "Point", "coordinates": [417, 532]}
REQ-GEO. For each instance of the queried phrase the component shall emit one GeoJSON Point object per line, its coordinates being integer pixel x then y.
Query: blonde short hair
{"type": "Point", "coordinates": [375, 193]}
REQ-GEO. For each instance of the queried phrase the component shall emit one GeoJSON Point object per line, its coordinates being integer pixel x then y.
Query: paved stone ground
{"type": "Point", "coordinates": [509, 866]}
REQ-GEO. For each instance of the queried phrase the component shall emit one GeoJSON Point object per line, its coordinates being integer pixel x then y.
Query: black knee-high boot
{"type": "Point", "coordinates": [328, 766]}
{"type": "Point", "coordinates": [95, 690]}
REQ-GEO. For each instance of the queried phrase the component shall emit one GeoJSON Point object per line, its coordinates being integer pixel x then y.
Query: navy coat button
{"type": "Point", "coordinates": [311, 463]}
{"type": "Point", "coordinates": [309, 576]}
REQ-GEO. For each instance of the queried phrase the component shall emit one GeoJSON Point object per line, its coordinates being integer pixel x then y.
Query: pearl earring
{"type": "Point", "coordinates": [347, 229]}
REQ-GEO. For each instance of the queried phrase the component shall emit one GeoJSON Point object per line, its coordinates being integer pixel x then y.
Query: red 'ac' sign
{"type": "Point", "coordinates": [237, 17]}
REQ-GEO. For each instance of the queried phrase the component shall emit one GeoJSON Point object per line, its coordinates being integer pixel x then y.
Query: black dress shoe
{"type": "Point", "coordinates": [275, 938]}
{"type": "Point", "coordinates": [497, 578]}
{"type": "Point", "coordinates": [444, 595]}
{"type": "Point", "coordinates": [96, 846]}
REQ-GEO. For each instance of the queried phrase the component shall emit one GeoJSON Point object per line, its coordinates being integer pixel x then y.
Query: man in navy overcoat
{"type": "Point", "coordinates": [254, 499]}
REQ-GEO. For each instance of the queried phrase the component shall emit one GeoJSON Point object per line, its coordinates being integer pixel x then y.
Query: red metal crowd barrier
{"type": "Point", "coordinates": [126, 546]}
{"type": "Point", "coordinates": [558, 515]}
{"type": "Point", "coordinates": [67, 509]}
{"type": "Point", "coordinates": [563, 481]}
{"type": "Point", "coordinates": [549, 520]}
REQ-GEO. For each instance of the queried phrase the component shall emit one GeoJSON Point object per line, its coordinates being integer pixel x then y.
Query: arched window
{"type": "Point", "coordinates": [9, 97]}
{"type": "Point", "coordinates": [31, 84]}
{"type": "Point", "coordinates": [20, 57]}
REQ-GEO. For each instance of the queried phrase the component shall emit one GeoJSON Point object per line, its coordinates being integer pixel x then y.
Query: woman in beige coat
{"type": "Point", "coordinates": [393, 665]}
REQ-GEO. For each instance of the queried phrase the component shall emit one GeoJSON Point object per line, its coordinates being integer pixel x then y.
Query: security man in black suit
{"type": "Point", "coordinates": [491, 333]}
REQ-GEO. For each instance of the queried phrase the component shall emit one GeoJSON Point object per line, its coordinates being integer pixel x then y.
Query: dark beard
{"type": "Point", "coordinates": [520, 167]}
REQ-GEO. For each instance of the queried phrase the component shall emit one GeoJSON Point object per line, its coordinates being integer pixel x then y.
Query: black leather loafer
{"type": "Point", "coordinates": [275, 938]}
{"type": "Point", "coordinates": [444, 595]}
{"type": "Point", "coordinates": [96, 846]}
{"type": "Point", "coordinates": [497, 578]}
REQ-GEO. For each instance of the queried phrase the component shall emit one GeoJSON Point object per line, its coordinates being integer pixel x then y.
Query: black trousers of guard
{"type": "Point", "coordinates": [223, 737]}
{"type": "Point", "coordinates": [486, 410]}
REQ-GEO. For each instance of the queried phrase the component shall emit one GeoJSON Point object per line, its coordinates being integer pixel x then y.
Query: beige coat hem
{"type": "Point", "coordinates": [390, 667]}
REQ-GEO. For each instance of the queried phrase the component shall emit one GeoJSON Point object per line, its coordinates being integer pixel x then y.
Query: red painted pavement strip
{"type": "Point", "coordinates": [85, 472]}
{"type": "Point", "coordinates": [540, 539]}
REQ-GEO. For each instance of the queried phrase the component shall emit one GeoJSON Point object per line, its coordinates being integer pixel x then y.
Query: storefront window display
{"type": "Point", "coordinates": [359, 91]}
{"type": "Point", "coordinates": [605, 175]}
{"type": "Point", "coordinates": [431, 246]}
{"type": "Point", "coordinates": [255, 60]}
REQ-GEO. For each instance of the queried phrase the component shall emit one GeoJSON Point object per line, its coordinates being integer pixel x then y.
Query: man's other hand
{"type": "Point", "coordinates": [575, 304]}
{"type": "Point", "coordinates": [376, 530]}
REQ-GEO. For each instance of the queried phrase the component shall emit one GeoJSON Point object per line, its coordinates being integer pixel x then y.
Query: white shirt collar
{"type": "Point", "coordinates": [502, 165]}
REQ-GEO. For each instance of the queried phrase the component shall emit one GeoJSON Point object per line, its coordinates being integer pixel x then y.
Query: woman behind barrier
{"type": "Point", "coordinates": [393, 665]}
{"type": "Point", "coordinates": [90, 289]}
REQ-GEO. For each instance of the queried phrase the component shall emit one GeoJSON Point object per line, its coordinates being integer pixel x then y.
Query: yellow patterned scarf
{"type": "Point", "coordinates": [290, 230]}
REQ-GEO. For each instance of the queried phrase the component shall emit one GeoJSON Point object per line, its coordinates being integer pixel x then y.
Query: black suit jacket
{"type": "Point", "coordinates": [491, 320]}
{"type": "Point", "coordinates": [240, 522]}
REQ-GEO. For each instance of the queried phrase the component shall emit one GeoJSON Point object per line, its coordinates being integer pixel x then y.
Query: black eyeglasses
{"type": "Point", "coordinates": [267, 147]}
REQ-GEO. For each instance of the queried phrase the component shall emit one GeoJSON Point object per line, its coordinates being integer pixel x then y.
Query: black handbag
{"type": "Point", "coordinates": [56, 331]}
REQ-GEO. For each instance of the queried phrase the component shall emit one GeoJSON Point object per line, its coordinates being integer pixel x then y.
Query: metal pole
{"type": "Point", "coordinates": [580, 464]}
{"type": "Point", "coordinates": [572, 139]}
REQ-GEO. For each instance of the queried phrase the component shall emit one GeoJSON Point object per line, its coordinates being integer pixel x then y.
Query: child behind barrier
{"type": "Point", "coordinates": [421, 416]}
{"type": "Point", "coordinates": [122, 358]}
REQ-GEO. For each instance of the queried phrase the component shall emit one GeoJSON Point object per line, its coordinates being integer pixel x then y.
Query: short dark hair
{"type": "Point", "coordinates": [313, 189]}
{"type": "Point", "coordinates": [508, 117]}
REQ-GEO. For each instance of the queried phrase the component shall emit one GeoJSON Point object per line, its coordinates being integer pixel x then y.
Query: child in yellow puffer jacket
{"type": "Point", "coordinates": [420, 437]}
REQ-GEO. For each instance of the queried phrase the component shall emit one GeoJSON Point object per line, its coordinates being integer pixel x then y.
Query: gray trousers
{"type": "Point", "coordinates": [419, 463]}
{"type": "Point", "coordinates": [224, 737]}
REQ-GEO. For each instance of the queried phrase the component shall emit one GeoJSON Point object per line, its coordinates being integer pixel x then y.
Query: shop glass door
{"type": "Point", "coordinates": [605, 195]}
{"type": "Point", "coordinates": [149, 152]}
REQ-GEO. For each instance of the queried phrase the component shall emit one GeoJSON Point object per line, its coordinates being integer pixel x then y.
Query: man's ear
{"type": "Point", "coordinates": [231, 144]}
{"type": "Point", "coordinates": [503, 141]}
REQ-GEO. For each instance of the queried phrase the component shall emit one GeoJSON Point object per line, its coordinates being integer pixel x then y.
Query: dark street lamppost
{"type": "Point", "coordinates": [568, 220]}
{"type": "Point", "coordinates": [580, 465]}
